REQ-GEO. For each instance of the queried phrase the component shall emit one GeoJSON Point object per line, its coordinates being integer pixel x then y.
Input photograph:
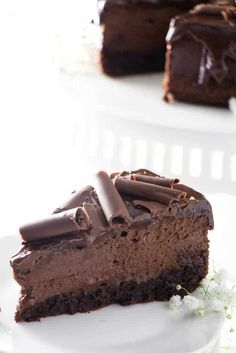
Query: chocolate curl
{"type": "Point", "coordinates": [76, 199]}
{"type": "Point", "coordinates": [190, 193]}
{"type": "Point", "coordinates": [63, 223]}
{"type": "Point", "coordinates": [138, 171]}
{"type": "Point", "coordinates": [152, 207]}
{"type": "Point", "coordinates": [144, 172]}
{"type": "Point", "coordinates": [97, 219]}
{"type": "Point", "coordinates": [112, 204]}
{"type": "Point", "coordinates": [223, 8]}
{"type": "Point", "coordinates": [161, 194]}
{"type": "Point", "coordinates": [166, 182]}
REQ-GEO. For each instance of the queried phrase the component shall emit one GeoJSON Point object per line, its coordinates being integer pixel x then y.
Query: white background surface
{"type": "Point", "coordinates": [46, 148]}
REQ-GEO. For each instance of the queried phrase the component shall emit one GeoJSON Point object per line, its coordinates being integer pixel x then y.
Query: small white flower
{"type": "Point", "coordinates": [205, 282]}
{"type": "Point", "coordinates": [193, 303]}
{"type": "Point", "coordinates": [208, 284]}
{"type": "Point", "coordinates": [175, 302]}
{"type": "Point", "coordinates": [199, 292]}
{"type": "Point", "coordinates": [212, 295]}
{"type": "Point", "coordinates": [226, 295]}
{"type": "Point", "coordinates": [218, 292]}
{"type": "Point", "coordinates": [178, 287]}
{"type": "Point", "coordinates": [229, 297]}
{"type": "Point", "coordinates": [221, 276]}
{"type": "Point", "coordinates": [216, 305]}
{"type": "Point", "coordinates": [200, 312]}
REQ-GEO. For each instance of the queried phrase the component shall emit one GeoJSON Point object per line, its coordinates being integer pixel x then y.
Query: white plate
{"type": "Point", "coordinates": [136, 328]}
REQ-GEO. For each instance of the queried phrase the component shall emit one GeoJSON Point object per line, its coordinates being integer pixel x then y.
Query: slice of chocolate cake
{"type": "Point", "coordinates": [134, 33]}
{"type": "Point", "coordinates": [201, 55]}
{"type": "Point", "coordinates": [131, 239]}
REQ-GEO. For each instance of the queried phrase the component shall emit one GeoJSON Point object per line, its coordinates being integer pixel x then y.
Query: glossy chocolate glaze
{"type": "Point", "coordinates": [213, 30]}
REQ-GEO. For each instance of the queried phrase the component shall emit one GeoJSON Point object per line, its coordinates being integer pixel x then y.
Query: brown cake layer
{"type": "Point", "coordinates": [133, 228]}
{"type": "Point", "coordinates": [134, 33]}
{"type": "Point", "coordinates": [201, 56]}
{"type": "Point", "coordinates": [192, 267]}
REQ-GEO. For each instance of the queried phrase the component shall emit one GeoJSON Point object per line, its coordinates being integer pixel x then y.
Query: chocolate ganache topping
{"type": "Point", "coordinates": [218, 40]}
{"type": "Point", "coordinates": [118, 202]}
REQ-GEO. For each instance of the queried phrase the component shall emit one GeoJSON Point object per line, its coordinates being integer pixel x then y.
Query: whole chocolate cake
{"type": "Point", "coordinates": [129, 239]}
{"type": "Point", "coordinates": [201, 56]}
{"type": "Point", "coordinates": [134, 33]}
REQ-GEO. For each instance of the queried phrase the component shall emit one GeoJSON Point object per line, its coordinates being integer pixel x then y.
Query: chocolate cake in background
{"type": "Point", "coordinates": [129, 239]}
{"type": "Point", "coordinates": [201, 55]}
{"type": "Point", "coordinates": [134, 33]}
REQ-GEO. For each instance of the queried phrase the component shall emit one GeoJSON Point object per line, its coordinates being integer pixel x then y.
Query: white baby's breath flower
{"type": "Point", "coordinates": [218, 292]}
{"type": "Point", "coordinates": [175, 302]}
{"type": "Point", "coordinates": [216, 305]}
{"type": "Point", "coordinates": [224, 294]}
{"type": "Point", "coordinates": [229, 297]}
{"type": "Point", "coordinates": [193, 303]}
{"type": "Point", "coordinates": [200, 312]}
{"type": "Point", "coordinates": [199, 292]}
{"type": "Point", "coordinates": [205, 282]}
{"type": "Point", "coordinates": [212, 295]}
{"type": "Point", "coordinates": [208, 284]}
{"type": "Point", "coordinates": [178, 287]}
{"type": "Point", "coordinates": [221, 276]}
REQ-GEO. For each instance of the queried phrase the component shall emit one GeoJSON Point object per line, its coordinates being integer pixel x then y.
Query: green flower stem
{"type": "Point", "coordinates": [206, 293]}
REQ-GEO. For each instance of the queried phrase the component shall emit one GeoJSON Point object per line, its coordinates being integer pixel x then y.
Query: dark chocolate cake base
{"type": "Point", "coordinates": [119, 64]}
{"type": "Point", "coordinates": [193, 266]}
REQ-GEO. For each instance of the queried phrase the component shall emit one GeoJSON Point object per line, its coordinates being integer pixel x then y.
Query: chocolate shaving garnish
{"type": "Point", "coordinates": [164, 195]}
{"type": "Point", "coordinates": [115, 174]}
{"type": "Point", "coordinates": [225, 10]}
{"type": "Point", "coordinates": [62, 223]}
{"type": "Point", "coordinates": [112, 204]}
{"type": "Point", "coordinates": [190, 193]}
{"type": "Point", "coordinates": [76, 199]}
{"type": "Point", "coordinates": [166, 182]}
{"type": "Point", "coordinates": [138, 171]}
{"type": "Point", "coordinates": [152, 207]}
{"type": "Point", "coordinates": [144, 172]}
{"type": "Point", "coordinates": [97, 219]}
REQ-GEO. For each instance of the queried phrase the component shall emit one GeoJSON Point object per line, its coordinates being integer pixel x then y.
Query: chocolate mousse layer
{"type": "Point", "coordinates": [131, 239]}
{"type": "Point", "coordinates": [134, 33]}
